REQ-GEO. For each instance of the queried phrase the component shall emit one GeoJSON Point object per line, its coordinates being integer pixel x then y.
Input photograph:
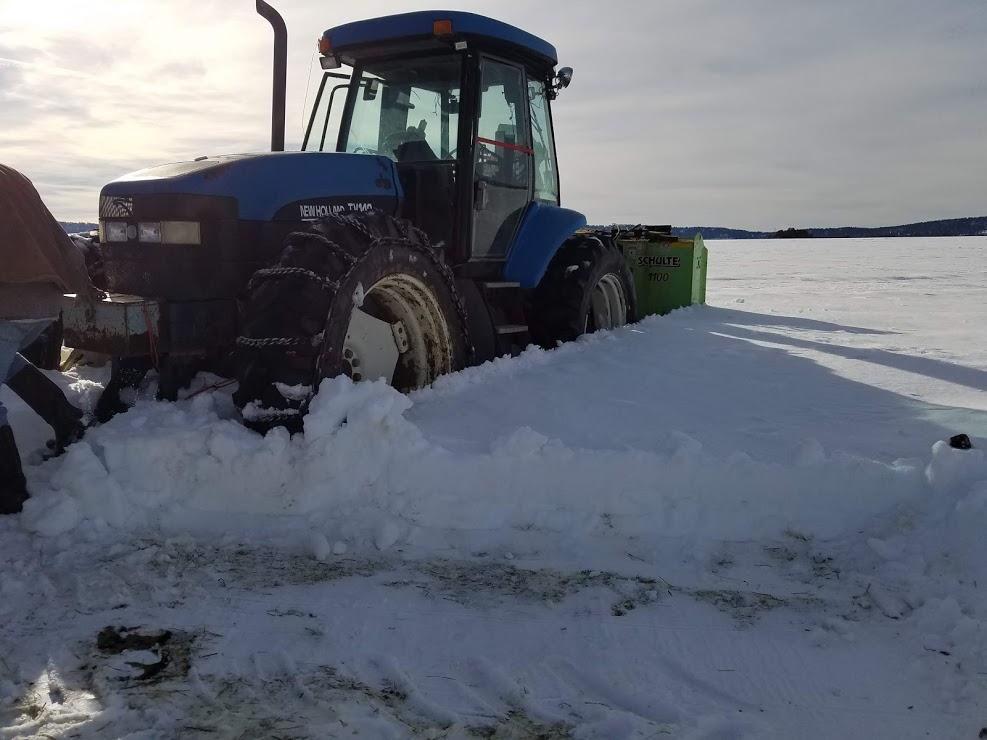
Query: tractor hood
{"type": "Point", "coordinates": [272, 186]}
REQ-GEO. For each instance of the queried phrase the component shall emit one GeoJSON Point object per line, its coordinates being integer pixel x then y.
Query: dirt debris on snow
{"type": "Point", "coordinates": [517, 726]}
{"type": "Point", "coordinates": [255, 567]}
{"type": "Point", "coordinates": [468, 581]}
{"type": "Point", "coordinates": [744, 606]}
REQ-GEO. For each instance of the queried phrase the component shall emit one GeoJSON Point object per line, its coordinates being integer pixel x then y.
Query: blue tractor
{"type": "Point", "coordinates": [426, 236]}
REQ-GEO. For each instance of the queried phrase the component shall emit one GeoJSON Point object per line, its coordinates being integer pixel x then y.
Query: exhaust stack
{"type": "Point", "coordinates": [280, 73]}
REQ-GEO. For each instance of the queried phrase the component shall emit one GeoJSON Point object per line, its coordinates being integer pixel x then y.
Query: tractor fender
{"type": "Point", "coordinates": [544, 229]}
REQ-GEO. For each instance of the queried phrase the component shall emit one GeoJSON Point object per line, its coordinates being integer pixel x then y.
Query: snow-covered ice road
{"type": "Point", "coordinates": [739, 521]}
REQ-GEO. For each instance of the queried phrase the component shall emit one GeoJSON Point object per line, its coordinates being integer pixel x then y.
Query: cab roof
{"type": "Point", "coordinates": [421, 25]}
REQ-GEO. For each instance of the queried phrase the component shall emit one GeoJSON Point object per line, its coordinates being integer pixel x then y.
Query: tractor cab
{"type": "Point", "coordinates": [460, 103]}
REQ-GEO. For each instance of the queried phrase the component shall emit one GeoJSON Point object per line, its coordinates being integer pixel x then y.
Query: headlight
{"type": "Point", "coordinates": [113, 231]}
{"type": "Point", "coordinates": [181, 232]}
{"type": "Point", "coordinates": [149, 232]}
{"type": "Point", "coordinates": [170, 232]}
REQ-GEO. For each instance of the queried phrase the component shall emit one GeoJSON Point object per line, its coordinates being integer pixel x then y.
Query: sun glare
{"type": "Point", "coordinates": [60, 15]}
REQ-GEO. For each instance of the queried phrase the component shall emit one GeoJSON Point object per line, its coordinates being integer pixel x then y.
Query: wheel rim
{"type": "Point", "coordinates": [400, 334]}
{"type": "Point", "coordinates": [608, 305]}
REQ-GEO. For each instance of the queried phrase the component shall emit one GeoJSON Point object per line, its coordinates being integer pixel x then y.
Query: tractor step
{"type": "Point", "coordinates": [499, 285]}
{"type": "Point", "coordinates": [507, 330]}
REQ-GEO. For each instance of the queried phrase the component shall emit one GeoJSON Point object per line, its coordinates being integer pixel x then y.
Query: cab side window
{"type": "Point", "coordinates": [502, 134]}
{"type": "Point", "coordinates": [543, 143]}
{"type": "Point", "coordinates": [503, 159]}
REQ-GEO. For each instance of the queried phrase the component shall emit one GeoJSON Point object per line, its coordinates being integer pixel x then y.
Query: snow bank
{"type": "Point", "coordinates": [364, 474]}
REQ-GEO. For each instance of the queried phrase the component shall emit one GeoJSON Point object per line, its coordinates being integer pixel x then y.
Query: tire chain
{"type": "Point", "coordinates": [421, 245]}
{"type": "Point", "coordinates": [278, 272]}
{"type": "Point", "coordinates": [311, 236]}
{"type": "Point", "coordinates": [332, 286]}
{"type": "Point", "coordinates": [264, 342]}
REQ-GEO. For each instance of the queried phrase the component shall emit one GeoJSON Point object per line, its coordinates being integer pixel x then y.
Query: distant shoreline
{"type": "Point", "coordinates": [973, 226]}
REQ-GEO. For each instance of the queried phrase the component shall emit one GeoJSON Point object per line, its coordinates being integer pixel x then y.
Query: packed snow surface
{"type": "Point", "coordinates": [742, 520]}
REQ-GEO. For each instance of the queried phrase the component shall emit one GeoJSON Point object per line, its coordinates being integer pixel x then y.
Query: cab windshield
{"type": "Point", "coordinates": [406, 109]}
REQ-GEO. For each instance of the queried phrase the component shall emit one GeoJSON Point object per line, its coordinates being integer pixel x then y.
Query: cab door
{"type": "Point", "coordinates": [502, 166]}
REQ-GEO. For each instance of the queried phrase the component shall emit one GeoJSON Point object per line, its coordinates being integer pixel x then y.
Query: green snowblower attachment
{"type": "Point", "coordinates": [669, 271]}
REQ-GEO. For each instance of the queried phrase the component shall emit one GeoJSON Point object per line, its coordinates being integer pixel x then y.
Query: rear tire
{"type": "Point", "coordinates": [364, 296]}
{"type": "Point", "coordinates": [587, 287]}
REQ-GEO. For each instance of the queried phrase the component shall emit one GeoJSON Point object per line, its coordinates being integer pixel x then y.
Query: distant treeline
{"type": "Point", "coordinates": [77, 227]}
{"type": "Point", "coordinates": [975, 226]}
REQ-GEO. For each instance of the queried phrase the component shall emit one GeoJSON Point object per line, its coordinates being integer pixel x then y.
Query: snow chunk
{"type": "Point", "coordinates": [253, 411]}
{"type": "Point", "coordinates": [294, 392]}
{"type": "Point", "coordinates": [388, 533]}
{"type": "Point", "coordinates": [341, 401]}
{"type": "Point", "coordinates": [811, 454]}
{"type": "Point", "coordinates": [951, 469]}
{"type": "Point", "coordinates": [320, 547]}
{"type": "Point", "coordinates": [82, 488]}
{"type": "Point", "coordinates": [54, 519]}
{"type": "Point", "coordinates": [524, 442]}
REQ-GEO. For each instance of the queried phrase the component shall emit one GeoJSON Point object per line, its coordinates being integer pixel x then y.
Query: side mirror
{"type": "Point", "coordinates": [563, 78]}
{"type": "Point", "coordinates": [370, 93]}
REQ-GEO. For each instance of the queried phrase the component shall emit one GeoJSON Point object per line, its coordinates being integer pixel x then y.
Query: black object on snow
{"type": "Point", "coordinates": [960, 442]}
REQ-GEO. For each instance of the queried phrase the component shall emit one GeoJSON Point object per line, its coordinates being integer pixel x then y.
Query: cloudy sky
{"type": "Point", "coordinates": [755, 114]}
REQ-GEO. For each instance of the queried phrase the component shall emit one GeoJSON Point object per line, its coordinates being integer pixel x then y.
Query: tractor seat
{"type": "Point", "coordinates": [415, 151]}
